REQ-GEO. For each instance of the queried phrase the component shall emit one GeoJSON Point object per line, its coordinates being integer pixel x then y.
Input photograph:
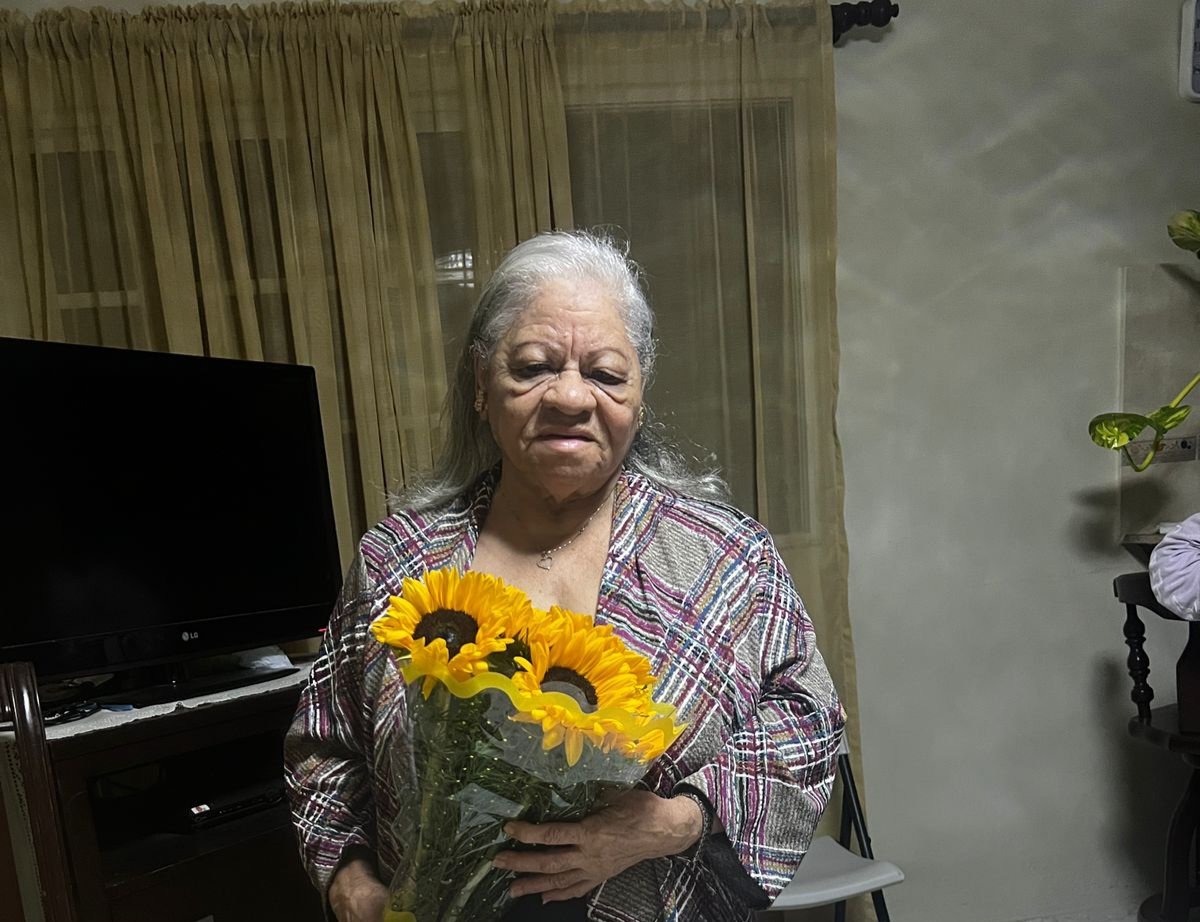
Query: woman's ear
{"type": "Point", "coordinates": [480, 383]}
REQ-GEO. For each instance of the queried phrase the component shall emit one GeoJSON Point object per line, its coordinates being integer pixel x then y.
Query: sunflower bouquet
{"type": "Point", "coordinates": [515, 713]}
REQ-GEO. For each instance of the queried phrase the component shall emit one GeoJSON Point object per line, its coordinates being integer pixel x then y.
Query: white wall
{"type": "Point", "coordinates": [999, 161]}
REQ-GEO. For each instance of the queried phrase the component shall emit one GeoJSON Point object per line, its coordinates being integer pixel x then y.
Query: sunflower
{"type": "Point", "coordinates": [450, 623]}
{"type": "Point", "coordinates": [609, 683]}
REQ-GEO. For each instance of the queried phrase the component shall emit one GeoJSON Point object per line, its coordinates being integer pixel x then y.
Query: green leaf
{"type": "Point", "coordinates": [1164, 419]}
{"type": "Point", "coordinates": [1115, 430]}
{"type": "Point", "coordinates": [1184, 229]}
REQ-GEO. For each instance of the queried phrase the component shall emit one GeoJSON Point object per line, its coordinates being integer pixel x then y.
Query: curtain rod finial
{"type": "Point", "coordinates": [876, 13]}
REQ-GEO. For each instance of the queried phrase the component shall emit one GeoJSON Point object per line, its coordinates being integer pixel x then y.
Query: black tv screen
{"type": "Point", "coordinates": [157, 507]}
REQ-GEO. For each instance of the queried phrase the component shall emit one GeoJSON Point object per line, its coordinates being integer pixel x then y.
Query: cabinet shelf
{"type": "Point", "coordinates": [134, 866]}
{"type": "Point", "coordinates": [125, 783]}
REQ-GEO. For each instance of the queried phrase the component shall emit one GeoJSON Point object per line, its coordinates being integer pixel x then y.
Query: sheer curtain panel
{"type": "Point", "coordinates": [705, 134]}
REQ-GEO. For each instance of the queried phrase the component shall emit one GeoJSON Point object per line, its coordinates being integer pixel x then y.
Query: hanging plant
{"type": "Point", "coordinates": [1117, 430]}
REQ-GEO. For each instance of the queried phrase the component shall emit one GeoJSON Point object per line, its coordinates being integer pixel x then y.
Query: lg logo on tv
{"type": "Point", "coordinates": [189, 635]}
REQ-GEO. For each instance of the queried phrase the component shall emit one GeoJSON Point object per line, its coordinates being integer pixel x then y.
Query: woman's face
{"type": "Point", "coordinates": [563, 391]}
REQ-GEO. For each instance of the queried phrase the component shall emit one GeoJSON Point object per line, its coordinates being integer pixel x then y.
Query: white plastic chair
{"type": "Point", "coordinates": [830, 872]}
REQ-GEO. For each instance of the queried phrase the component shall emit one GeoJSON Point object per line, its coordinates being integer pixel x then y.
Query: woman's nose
{"type": "Point", "coordinates": [568, 393]}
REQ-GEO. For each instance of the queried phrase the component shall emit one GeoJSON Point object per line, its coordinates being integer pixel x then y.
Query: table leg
{"type": "Point", "coordinates": [1177, 892]}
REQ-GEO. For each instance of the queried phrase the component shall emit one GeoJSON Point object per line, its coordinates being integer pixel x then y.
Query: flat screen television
{"type": "Point", "coordinates": [158, 508]}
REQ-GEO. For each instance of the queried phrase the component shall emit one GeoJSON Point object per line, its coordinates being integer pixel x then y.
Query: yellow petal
{"type": "Point", "coordinates": [574, 746]}
{"type": "Point", "coordinates": [552, 737]}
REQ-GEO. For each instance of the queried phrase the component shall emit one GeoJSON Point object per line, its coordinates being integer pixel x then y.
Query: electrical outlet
{"type": "Point", "coordinates": [1173, 449]}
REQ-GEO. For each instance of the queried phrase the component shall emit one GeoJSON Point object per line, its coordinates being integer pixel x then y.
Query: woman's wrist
{"type": "Point", "coordinates": [355, 869]}
{"type": "Point", "coordinates": [695, 821]}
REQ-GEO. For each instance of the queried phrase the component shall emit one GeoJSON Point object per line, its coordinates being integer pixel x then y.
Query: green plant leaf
{"type": "Point", "coordinates": [1116, 430]}
{"type": "Point", "coordinates": [1164, 419]}
{"type": "Point", "coordinates": [1184, 228]}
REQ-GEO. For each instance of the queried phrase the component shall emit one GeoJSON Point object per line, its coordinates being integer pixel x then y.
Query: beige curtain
{"type": "Point", "coordinates": [515, 126]}
{"type": "Point", "coordinates": [242, 183]}
{"type": "Point", "coordinates": [485, 95]}
{"type": "Point", "coordinates": [705, 134]}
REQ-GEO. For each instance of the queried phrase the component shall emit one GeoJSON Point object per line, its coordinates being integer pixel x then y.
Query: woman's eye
{"type": "Point", "coordinates": [529, 372]}
{"type": "Point", "coordinates": [607, 378]}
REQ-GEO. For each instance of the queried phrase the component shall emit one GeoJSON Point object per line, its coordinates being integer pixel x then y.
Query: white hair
{"type": "Point", "coordinates": [522, 275]}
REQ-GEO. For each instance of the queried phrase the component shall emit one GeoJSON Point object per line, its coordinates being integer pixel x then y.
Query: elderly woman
{"type": "Point", "coordinates": [551, 481]}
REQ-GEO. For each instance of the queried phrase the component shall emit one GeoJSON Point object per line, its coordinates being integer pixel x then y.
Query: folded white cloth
{"type": "Point", "coordinates": [1175, 569]}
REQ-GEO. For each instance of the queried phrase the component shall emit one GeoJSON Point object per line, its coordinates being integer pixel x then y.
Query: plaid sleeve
{"type": "Point", "coordinates": [326, 759]}
{"type": "Point", "coordinates": [773, 776]}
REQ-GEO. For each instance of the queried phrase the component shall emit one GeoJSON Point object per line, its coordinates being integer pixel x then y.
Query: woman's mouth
{"type": "Point", "coordinates": [565, 440]}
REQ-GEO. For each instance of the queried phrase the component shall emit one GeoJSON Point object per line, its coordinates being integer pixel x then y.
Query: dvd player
{"type": "Point", "coordinates": [237, 803]}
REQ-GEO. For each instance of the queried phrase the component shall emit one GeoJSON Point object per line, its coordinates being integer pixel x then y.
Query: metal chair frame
{"type": "Point", "coordinates": [854, 818]}
{"type": "Point", "coordinates": [837, 873]}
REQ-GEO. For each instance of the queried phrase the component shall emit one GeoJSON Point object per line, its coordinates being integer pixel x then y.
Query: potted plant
{"type": "Point", "coordinates": [1117, 430]}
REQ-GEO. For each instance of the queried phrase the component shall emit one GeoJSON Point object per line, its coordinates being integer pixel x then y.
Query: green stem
{"type": "Point", "coordinates": [405, 896]}
{"type": "Point", "coordinates": [485, 865]}
{"type": "Point", "coordinates": [1138, 468]}
{"type": "Point", "coordinates": [1187, 390]}
{"type": "Point", "coordinates": [467, 889]}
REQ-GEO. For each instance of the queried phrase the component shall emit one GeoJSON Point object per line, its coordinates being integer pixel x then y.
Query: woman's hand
{"type": "Point", "coordinates": [580, 856]}
{"type": "Point", "coordinates": [356, 894]}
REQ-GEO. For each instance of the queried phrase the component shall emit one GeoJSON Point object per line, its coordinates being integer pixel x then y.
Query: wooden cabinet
{"type": "Point", "coordinates": [10, 894]}
{"type": "Point", "coordinates": [133, 795]}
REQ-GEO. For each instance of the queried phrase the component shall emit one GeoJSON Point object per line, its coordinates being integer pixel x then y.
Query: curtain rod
{"type": "Point", "coordinates": [845, 17]}
{"type": "Point", "coordinates": [866, 13]}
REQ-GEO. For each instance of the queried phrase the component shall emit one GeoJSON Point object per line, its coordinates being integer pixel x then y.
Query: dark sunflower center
{"type": "Point", "coordinates": [504, 661]}
{"type": "Point", "coordinates": [576, 684]}
{"type": "Point", "coordinates": [454, 627]}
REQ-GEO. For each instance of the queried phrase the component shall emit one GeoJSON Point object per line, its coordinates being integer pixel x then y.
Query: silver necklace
{"type": "Point", "coordinates": [546, 559]}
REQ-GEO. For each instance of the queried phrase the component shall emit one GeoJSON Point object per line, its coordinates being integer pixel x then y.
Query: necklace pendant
{"type": "Point", "coordinates": [546, 561]}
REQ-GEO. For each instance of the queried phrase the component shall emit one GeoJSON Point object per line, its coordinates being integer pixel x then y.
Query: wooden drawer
{"type": "Point", "coordinates": [256, 879]}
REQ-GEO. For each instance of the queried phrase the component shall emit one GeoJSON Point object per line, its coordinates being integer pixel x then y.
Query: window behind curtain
{"type": "Point", "coordinates": [663, 176]}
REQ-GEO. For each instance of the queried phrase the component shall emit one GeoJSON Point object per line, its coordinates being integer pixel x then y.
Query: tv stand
{"type": "Point", "coordinates": [120, 787]}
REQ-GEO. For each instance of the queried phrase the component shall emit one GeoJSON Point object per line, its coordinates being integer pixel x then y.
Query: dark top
{"type": "Point", "coordinates": [532, 909]}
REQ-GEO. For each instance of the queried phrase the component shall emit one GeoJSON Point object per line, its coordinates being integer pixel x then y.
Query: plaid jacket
{"type": "Point", "coordinates": [695, 586]}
